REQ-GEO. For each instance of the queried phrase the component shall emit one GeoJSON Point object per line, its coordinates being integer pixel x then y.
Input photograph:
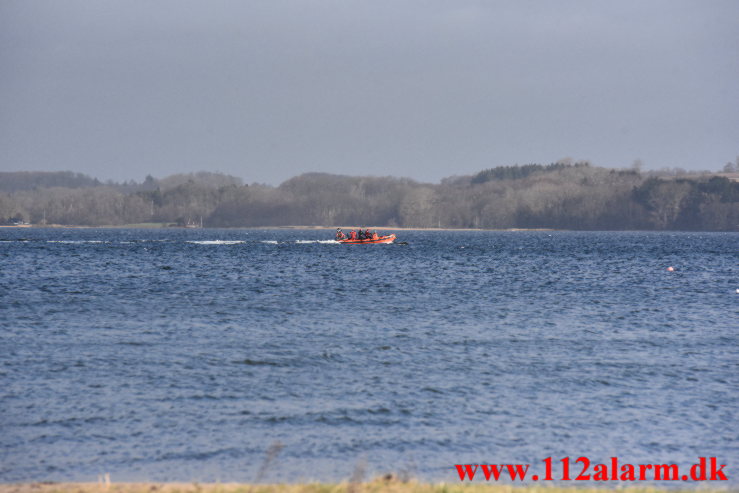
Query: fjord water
{"type": "Point", "coordinates": [185, 354]}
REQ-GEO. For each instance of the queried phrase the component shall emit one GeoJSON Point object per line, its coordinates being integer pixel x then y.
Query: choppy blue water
{"type": "Point", "coordinates": [184, 354]}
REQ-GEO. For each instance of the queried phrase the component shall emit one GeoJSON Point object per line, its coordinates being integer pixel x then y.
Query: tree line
{"type": "Point", "coordinates": [560, 195]}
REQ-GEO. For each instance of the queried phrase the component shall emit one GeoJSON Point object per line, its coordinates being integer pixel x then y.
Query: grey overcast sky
{"type": "Point", "coordinates": [268, 89]}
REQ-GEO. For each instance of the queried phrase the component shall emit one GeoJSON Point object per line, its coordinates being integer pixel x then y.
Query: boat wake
{"type": "Point", "coordinates": [326, 242]}
{"type": "Point", "coordinates": [193, 242]}
{"type": "Point", "coordinates": [299, 242]}
{"type": "Point", "coordinates": [217, 242]}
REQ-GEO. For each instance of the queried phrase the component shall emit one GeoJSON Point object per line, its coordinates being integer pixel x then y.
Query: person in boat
{"type": "Point", "coordinates": [340, 234]}
{"type": "Point", "coordinates": [352, 235]}
{"type": "Point", "coordinates": [361, 234]}
{"type": "Point", "coordinates": [375, 236]}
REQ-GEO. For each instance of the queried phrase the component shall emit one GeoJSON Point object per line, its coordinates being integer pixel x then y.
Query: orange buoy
{"type": "Point", "coordinates": [670, 269]}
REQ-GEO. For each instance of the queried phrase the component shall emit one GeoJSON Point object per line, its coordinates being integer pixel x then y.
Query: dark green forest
{"type": "Point", "coordinates": [561, 195]}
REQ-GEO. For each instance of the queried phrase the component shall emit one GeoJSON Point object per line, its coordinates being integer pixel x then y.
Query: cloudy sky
{"type": "Point", "coordinates": [268, 89]}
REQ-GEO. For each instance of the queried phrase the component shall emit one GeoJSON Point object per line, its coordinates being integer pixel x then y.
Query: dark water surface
{"type": "Point", "coordinates": [184, 354]}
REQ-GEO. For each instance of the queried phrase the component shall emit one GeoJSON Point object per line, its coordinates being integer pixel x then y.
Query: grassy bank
{"type": "Point", "coordinates": [376, 486]}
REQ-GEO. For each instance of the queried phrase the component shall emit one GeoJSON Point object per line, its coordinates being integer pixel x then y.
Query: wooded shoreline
{"type": "Point", "coordinates": [290, 227]}
{"type": "Point", "coordinates": [558, 196]}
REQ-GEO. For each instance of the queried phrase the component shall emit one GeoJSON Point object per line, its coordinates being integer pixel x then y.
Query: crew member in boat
{"type": "Point", "coordinates": [360, 236]}
{"type": "Point", "coordinates": [340, 234]}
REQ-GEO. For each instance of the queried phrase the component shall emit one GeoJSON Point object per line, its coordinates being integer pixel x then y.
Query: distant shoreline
{"type": "Point", "coordinates": [330, 228]}
{"type": "Point", "coordinates": [348, 228]}
{"type": "Point", "coordinates": [558, 196]}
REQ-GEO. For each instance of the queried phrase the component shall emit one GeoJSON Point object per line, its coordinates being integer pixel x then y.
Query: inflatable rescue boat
{"type": "Point", "coordinates": [380, 239]}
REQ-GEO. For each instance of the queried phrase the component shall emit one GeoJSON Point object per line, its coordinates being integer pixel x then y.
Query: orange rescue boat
{"type": "Point", "coordinates": [380, 239]}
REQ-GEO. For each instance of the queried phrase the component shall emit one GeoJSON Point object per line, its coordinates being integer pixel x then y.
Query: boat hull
{"type": "Point", "coordinates": [381, 239]}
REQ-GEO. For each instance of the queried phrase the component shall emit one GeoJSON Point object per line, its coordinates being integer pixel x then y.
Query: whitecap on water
{"type": "Point", "coordinates": [75, 242]}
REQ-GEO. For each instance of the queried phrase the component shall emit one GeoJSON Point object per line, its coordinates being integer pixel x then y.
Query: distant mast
{"type": "Point", "coordinates": [192, 224]}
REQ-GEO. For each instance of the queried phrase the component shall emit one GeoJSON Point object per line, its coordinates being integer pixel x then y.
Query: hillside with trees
{"type": "Point", "coordinates": [560, 195]}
